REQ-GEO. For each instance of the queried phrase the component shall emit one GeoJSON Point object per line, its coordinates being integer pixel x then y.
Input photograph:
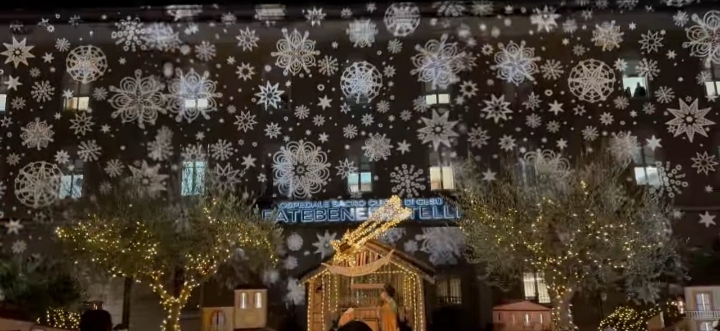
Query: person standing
{"type": "Point", "coordinates": [389, 309]}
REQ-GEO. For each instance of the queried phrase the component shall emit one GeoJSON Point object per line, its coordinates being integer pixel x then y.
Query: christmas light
{"type": "Point", "coordinates": [61, 319]}
{"type": "Point", "coordinates": [580, 229]}
{"type": "Point", "coordinates": [136, 238]}
{"type": "Point", "coordinates": [387, 216]}
{"type": "Point", "coordinates": [627, 318]}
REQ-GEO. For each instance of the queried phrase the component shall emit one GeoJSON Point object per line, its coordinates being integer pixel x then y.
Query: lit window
{"type": "Point", "coordinates": [646, 172]}
{"type": "Point", "coordinates": [3, 101]}
{"type": "Point", "coordinates": [77, 103]}
{"type": "Point", "coordinates": [436, 96]}
{"type": "Point", "coordinates": [703, 301]}
{"type": "Point", "coordinates": [449, 290]}
{"type": "Point", "coordinates": [243, 300]}
{"type": "Point", "coordinates": [541, 318]}
{"type": "Point", "coordinates": [193, 177]}
{"type": "Point", "coordinates": [196, 104]}
{"type": "Point", "coordinates": [258, 300]}
{"type": "Point", "coordinates": [634, 86]}
{"type": "Point", "coordinates": [362, 180]}
{"type": "Point", "coordinates": [527, 319]}
{"type": "Point", "coordinates": [712, 84]}
{"type": "Point", "coordinates": [71, 182]}
{"type": "Point", "coordinates": [442, 176]}
{"type": "Point", "coordinates": [706, 326]}
{"type": "Point", "coordinates": [535, 288]}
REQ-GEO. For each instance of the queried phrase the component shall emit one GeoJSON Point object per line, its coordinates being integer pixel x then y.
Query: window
{"type": "Point", "coordinates": [702, 300]}
{"type": "Point", "coordinates": [77, 103]}
{"type": "Point", "coordinates": [646, 173]}
{"type": "Point", "coordinates": [436, 96]}
{"type": "Point", "coordinates": [535, 288]}
{"type": "Point", "coordinates": [71, 182]}
{"type": "Point", "coordinates": [442, 176]}
{"type": "Point", "coordinates": [193, 178]}
{"type": "Point", "coordinates": [258, 300]}
{"type": "Point", "coordinates": [527, 319]}
{"type": "Point", "coordinates": [195, 105]}
{"type": "Point", "coordinates": [541, 318]}
{"type": "Point", "coordinates": [3, 101]}
{"type": "Point", "coordinates": [76, 95]}
{"type": "Point", "coordinates": [362, 180]}
{"type": "Point", "coordinates": [243, 300]}
{"type": "Point", "coordinates": [712, 83]}
{"type": "Point", "coordinates": [706, 326]}
{"type": "Point", "coordinates": [635, 87]}
{"type": "Point", "coordinates": [449, 291]}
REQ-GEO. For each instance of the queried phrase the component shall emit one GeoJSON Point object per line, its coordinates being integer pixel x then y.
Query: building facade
{"type": "Point", "coordinates": [325, 112]}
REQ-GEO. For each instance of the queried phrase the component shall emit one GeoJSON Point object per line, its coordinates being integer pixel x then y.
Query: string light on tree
{"type": "Point", "coordinates": [580, 228]}
{"type": "Point", "coordinates": [129, 236]}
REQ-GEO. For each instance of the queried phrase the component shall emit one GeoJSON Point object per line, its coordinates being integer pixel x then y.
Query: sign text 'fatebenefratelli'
{"type": "Point", "coordinates": [431, 209]}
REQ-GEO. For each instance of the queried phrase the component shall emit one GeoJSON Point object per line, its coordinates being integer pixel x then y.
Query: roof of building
{"type": "Point", "coordinates": [522, 305]}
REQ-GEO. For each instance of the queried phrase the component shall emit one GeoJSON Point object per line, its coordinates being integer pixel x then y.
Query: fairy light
{"type": "Point", "coordinates": [144, 251]}
{"type": "Point", "coordinates": [61, 319]}
{"type": "Point", "coordinates": [387, 216]}
{"type": "Point", "coordinates": [574, 233]}
{"type": "Point", "coordinates": [627, 318]}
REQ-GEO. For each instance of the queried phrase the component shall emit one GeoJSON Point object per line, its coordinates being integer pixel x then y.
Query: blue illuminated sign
{"type": "Point", "coordinates": [432, 209]}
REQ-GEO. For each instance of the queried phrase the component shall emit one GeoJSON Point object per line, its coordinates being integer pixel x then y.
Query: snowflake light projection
{"type": "Point", "coordinates": [192, 95]}
{"type": "Point", "coordinates": [438, 63]}
{"type": "Point", "coordinates": [86, 64]}
{"type": "Point", "coordinates": [591, 80]}
{"type": "Point", "coordinates": [361, 81]}
{"type": "Point", "coordinates": [295, 52]}
{"type": "Point", "coordinates": [381, 95]}
{"type": "Point", "coordinates": [301, 169]}
{"type": "Point", "coordinates": [37, 184]}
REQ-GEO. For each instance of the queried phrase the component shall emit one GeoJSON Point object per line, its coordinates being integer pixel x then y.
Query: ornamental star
{"type": "Point", "coordinates": [707, 220]}
{"type": "Point", "coordinates": [689, 120]}
{"type": "Point", "coordinates": [437, 130]}
{"type": "Point", "coordinates": [13, 227]}
{"type": "Point", "coordinates": [269, 95]}
{"type": "Point", "coordinates": [18, 52]}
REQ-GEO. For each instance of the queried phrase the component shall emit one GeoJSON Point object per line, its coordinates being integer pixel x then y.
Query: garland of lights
{"type": "Point", "coordinates": [627, 318]}
{"type": "Point", "coordinates": [61, 319]}
{"type": "Point", "coordinates": [134, 238]}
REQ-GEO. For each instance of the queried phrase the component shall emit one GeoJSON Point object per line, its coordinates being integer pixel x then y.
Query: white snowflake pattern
{"type": "Point", "coordinates": [295, 52]}
{"type": "Point", "coordinates": [322, 245]}
{"type": "Point", "coordinates": [407, 181]}
{"type": "Point", "coordinates": [438, 63]}
{"type": "Point", "coordinates": [689, 120]}
{"type": "Point", "coordinates": [515, 63]}
{"type": "Point", "coordinates": [438, 130]}
{"type": "Point", "coordinates": [300, 169]}
{"type": "Point", "coordinates": [377, 147]}
{"type": "Point", "coordinates": [37, 134]}
{"type": "Point", "coordinates": [362, 32]}
{"type": "Point", "coordinates": [138, 99]}
{"type": "Point", "coordinates": [444, 245]}
{"type": "Point", "coordinates": [192, 95]}
{"type": "Point", "coordinates": [37, 184]}
{"type": "Point", "coordinates": [269, 95]}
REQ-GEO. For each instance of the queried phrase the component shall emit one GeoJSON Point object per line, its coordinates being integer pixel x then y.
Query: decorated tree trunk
{"type": "Point", "coordinates": [172, 309]}
{"type": "Point", "coordinates": [560, 298]}
{"type": "Point", "coordinates": [173, 304]}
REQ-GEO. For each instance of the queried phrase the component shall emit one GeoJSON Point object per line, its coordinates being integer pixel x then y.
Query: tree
{"type": "Point", "coordinates": [581, 228]}
{"type": "Point", "coordinates": [174, 246]}
{"type": "Point", "coordinates": [36, 285]}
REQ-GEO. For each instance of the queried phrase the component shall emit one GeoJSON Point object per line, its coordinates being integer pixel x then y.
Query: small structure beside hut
{"type": "Point", "coordinates": [357, 282]}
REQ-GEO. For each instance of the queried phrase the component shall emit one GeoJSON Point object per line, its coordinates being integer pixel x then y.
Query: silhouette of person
{"type": "Point", "coordinates": [628, 92]}
{"type": "Point", "coordinates": [640, 91]}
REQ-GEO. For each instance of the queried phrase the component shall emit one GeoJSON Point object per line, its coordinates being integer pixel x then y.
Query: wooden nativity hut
{"type": "Point", "coordinates": [334, 287]}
